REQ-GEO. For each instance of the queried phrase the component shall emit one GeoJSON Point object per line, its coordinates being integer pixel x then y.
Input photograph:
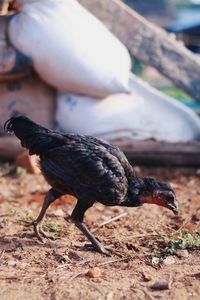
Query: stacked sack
{"type": "Point", "coordinates": [19, 89]}
{"type": "Point", "coordinates": [73, 51]}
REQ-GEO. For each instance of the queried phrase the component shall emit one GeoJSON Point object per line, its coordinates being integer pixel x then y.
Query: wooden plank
{"type": "Point", "coordinates": [147, 152]}
{"type": "Point", "coordinates": [150, 43]}
{"type": "Point", "coordinates": [154, 153]}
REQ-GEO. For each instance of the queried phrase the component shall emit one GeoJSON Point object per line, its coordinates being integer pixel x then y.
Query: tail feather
{"type": "Point", "coordinates": [34, 137]}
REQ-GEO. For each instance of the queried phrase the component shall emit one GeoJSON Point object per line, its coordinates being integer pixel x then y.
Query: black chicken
{"type": "Point", "coordinates": [88, 168]}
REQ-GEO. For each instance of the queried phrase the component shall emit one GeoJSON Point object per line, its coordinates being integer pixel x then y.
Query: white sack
{"type": "Point", "coordinates": [70, 48]}
{"type": "Point", "coordinates": [146, 113]}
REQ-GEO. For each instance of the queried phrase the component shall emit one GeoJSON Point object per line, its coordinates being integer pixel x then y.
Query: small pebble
{"type": "Point", "coordinates": [110, 296]}
{"type": "Point", "coordinates": [155, 261]}
{"type": "Point", "coordinates": [30, 163]}
{"type": "Point", "coordinates": [160, 285]}
{"type": "Point", "coordinates": [182, 253]}
{"type": "Point", "coordinates": [94, 273]}
{"type": "Point", "coordinates": [73, 255]}
{"type": "Point", "coordinates": [169, 260]}
{"type": "Point", "coordinates": [12, 263]}
{"type": "Point", "coordinates": [147, 276]}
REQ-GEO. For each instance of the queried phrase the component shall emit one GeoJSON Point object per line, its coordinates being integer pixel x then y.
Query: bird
{"type": "Point", "coordinates": [88, 168]}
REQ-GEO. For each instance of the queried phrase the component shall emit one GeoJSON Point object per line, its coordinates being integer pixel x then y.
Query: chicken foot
{"type": "Point", "coordinates": [51, 196]}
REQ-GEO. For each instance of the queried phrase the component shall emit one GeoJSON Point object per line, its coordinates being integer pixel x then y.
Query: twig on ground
{"type": "Point", "coordinates": [82, 262]}
{"type": "Point", "coordinates": [193, 274]}
{"type": "Point", "coordinates": [111, 220]}
{"type": "Point", "coordinates": [171, 279]}
{"type": "Point", "coordinates": [5, 215]}
{"type": "Point", "coordinates": [113, 261]}
{"type": "Point", "coordinates": [142, 235]}
{"type": "Point", "coordinates": [184, 224]}
{"type": "Point", "coordinates": [11, 277]}
{"type": "Point", "coordinates": [148, 294]}
{"type": "Point", "coordinates": [2, 253]}
{"type": "Point", "coordinates": [76, 275]}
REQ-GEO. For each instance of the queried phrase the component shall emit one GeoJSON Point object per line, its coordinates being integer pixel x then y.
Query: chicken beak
{"type": "Point", "coordinates": [174, 207]}
{"type": "Point", "coordinates": [175, 210]}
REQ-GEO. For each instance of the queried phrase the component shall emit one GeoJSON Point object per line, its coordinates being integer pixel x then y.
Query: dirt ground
{"type": "Point", "coordinates": [66, 268]}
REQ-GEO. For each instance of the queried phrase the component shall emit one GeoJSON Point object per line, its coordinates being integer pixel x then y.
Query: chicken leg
{"type": "Point", "coordinates": [77, 217]}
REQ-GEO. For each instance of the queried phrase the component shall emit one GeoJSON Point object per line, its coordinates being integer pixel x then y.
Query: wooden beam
{"type": "Point", "coordinates": [154, 153]}
{"type": "Point", "coordinates": [150, 44]}
{"type": "Point", "coordinates": [147, 152]}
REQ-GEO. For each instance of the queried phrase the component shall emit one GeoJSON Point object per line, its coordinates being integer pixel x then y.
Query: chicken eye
{"type": "Point", "coordinates": [170, 198]}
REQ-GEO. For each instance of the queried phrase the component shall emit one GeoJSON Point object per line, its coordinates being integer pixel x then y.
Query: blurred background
{"type": "Point", "coordinates": [180, 17]}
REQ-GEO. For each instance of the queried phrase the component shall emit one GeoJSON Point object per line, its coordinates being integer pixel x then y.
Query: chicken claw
{"type": "Point", "coordinates": [39, 232]}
